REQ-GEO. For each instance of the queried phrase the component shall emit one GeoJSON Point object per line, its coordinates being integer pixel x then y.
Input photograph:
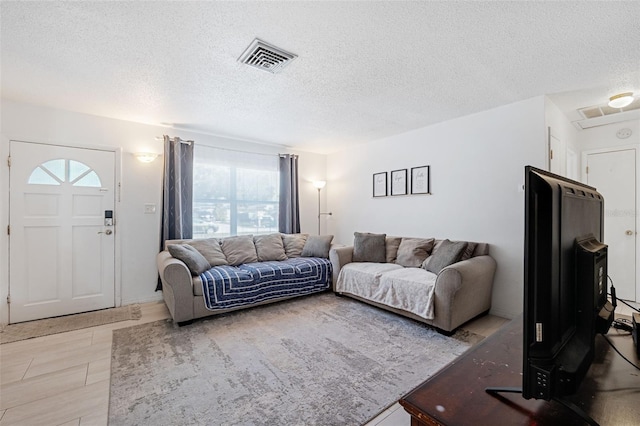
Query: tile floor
{"type": "Point", "coordinates": [63, 379]}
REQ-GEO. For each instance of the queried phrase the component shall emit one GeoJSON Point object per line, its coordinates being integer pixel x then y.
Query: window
{"type": "Point", "coordinates": [234, 193]}
{"type": "Point", "coordinates": [59, 171]}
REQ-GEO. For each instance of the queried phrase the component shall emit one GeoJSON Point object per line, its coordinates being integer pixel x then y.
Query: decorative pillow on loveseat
{"type": "Point", "coordinates": [447, 254]}
{"type": "Point", "coordinates": [211, 250]}
{"type": "Point", "coordinates": [317, 246]}
{"type": "Point", "coordinates": [239, 250]}
{"type": "Point", "coordinates": [191, 257]}
{"type": "Point", "coordinates": [392, 244]}
{"type": "Point", "coordinates": [269, 247]}
{"type": "Point", "coordinates": [413, 251]}
{"type": "Point", "coordinates": [369, 247]}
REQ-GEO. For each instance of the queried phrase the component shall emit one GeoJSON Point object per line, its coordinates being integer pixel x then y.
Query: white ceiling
{"type": "Point", "coordinates": [365, 70]}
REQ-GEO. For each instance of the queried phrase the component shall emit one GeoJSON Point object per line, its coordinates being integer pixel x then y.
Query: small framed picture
{"type": "Point", "coordinates": [380, 184]}
{"type": "Point", "coordinates": [420, 177]}
{"type": "Point", "coordinates": [399, 182]}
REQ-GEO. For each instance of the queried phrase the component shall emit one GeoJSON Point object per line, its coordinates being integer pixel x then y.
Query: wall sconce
{"type": "Point", "coordinates": [145, 157]}
{"type": "Point", "coordinates": [320, 184]}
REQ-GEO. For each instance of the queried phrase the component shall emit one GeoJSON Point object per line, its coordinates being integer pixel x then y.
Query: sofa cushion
{"type": "Point", "coordinates": [269, 247]}
{"type": "Point", "coordinates": [239, 250]}
{"type": "Point", "coordinates": [369, 247]}
{"type": "Point", "coordinates": [447, 254]}
{"type": "Point", "coordinates": [210, 249]}
{"type": "Point", "coordinates": [195, 261]}
{"type": "Point", "coordinates": [362, 278]}
{"type": "Point", "coordinates": [293, 244]}
{"type": "Point", "coordinates": [317, 246]}
{"type": "Point", "coordinates": [392, 244]}
{"type": "Point", "coordinates": [413, 251]}
{"type": "Point", "coordinates": [408, 289]}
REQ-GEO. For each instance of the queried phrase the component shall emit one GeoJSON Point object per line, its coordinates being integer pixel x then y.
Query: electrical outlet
{"type": "Point", "coordinates": [149, 208]}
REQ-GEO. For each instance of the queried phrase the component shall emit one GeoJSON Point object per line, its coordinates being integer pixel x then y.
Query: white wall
{"type": "Point", "coordinates": [477, 167]}
{"type": "Point", "coordinates": [567, 134]}
{"type": "Point", "coordinates": [141, 183]}
{"type": "Point", "coordinates": [605, 136]}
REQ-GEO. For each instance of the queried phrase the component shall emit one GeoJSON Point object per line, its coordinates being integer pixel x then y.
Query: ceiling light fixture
{"type": "Point", "coordinates": [621, 100]}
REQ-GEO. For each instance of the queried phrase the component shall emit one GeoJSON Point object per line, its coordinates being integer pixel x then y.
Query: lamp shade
{"type": "Point", "coordinates": [621, 100]}
{"type": "Point", "coordinates": [319, 184]}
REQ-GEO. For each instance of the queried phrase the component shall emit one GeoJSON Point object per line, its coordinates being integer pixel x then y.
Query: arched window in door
{"type": "Point", "coordinates": [61, 170]}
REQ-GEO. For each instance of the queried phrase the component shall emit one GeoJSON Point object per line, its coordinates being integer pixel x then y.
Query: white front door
{"type": "Point", "coordinates": [61, 254]}
{"type": "Point", "coordinates": [613, 173]}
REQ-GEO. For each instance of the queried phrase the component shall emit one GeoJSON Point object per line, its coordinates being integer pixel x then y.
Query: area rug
{"type": "Point", "coordinates": [44, 327]}
{"type": "Point", "coordinates": [315, 360]}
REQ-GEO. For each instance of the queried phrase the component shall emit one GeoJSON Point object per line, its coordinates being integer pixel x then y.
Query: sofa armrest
{"type": "Point", "coordinates": [177, 286]}
{"type": "Point", "coordinates": [463, 291]}
{"type": "Point", "coordinates": [339, 256]}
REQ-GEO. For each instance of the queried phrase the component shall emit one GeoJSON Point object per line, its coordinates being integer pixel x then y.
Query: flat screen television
{"type": "Point", "coordinates": [565, 285]}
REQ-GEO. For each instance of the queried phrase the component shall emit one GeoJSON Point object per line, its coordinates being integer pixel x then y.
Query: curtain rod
{"type": "Point", "coordinates": [235, 150]}
{"type": "Point", "coordinates": [173, 139]}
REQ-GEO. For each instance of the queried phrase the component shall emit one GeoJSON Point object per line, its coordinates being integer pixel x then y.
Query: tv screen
{"type": "Point", "coordinates": [564, 283]}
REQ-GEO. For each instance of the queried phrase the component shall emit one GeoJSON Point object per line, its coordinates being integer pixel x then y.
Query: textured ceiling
{"type": "Point", "coordinates": [365, 70]}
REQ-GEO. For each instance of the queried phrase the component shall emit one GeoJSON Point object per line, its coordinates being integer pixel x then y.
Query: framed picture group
{"type": "Point", "coordinates": [402, 182]}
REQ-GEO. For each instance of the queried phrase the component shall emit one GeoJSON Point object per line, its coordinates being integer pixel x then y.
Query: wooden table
{"type": "Point", "coordinates": [610, 393]}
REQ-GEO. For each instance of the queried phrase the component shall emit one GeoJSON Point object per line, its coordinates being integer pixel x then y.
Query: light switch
{"type": "Point", "coordinates": [149, 208]}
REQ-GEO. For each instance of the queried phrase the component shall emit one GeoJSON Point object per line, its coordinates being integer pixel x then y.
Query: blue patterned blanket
{"type": "Point", "coordinates": [231, 286]}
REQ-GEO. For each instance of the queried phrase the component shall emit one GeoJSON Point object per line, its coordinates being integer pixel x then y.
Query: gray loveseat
{"type": "Point", "coordinates": [202, 277]}
{"type": "Point", "coordinates": [438, 282]}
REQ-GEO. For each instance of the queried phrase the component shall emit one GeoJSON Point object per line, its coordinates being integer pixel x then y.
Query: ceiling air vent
{"type": "Point", "coordinates": [266, 57]}
{"type": "Point", "coordinates": [601, 115]}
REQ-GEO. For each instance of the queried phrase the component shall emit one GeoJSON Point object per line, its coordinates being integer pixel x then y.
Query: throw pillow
{"type": "Point", "coordinates": [239, 250]}
{"type": "Point", "coordinates": [293, 244]}
{"type": "Point", "coordinates": [211, 250]}
{"type": "Point", "coordinates": [447, 254]}
{"type": "Point", "coordinates": [392, 244]}
{"type": "Point", "coordinates": [468, 252]}
{"type": "Point", "coordinates": [269, 247]}
{"type": "Point", "coordinates": [317, 246]}
{"type": "Point", "coordinates": [369, 247]}
{"type": "Point", "coordinates": [413, 251]}
{"type": "Point", "coordinates": [195, 261]}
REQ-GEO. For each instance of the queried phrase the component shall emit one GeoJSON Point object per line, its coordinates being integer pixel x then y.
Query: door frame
{"type": "Point", "coordinates": [5, 285]}
{"type": "Point", "coordinates": [583, 176]}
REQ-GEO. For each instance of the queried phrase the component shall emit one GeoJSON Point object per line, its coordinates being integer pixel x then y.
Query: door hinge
{"type": "Point", "coordinates": [8, 300]}
{"type": "Point", "coordinates": [551, 154]}
{"type": "Point", "coordinates": [8, 229]}
{"type": "Point", "coordinates": [9, 161]}
{"type": "Point", "coordinates": [587, 169]}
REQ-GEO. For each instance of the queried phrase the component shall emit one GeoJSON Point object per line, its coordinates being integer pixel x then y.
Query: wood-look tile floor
{"type": "Point", "coordinates": [63, 379]}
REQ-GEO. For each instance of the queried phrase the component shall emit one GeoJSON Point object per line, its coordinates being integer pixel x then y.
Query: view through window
{"type": "Point", "coordinates": [234, 193]}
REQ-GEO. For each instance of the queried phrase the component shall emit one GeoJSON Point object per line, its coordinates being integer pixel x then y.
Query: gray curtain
{"type": "Point", "coordinates": [289, 215]}
{"type": "Point", "coordinates": [177, 195]}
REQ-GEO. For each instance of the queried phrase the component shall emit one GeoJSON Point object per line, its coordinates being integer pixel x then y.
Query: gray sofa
{"type": "Point", "coordinates": [425, 281]}
{"type": "Point", "coordinates": [240, 272]}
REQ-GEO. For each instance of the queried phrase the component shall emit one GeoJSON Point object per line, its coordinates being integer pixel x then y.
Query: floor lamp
{"type": "Point", "coordinates": [320, 184]}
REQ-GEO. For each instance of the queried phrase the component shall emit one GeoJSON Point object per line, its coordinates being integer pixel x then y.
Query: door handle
{"type": "Point", "coordinates": [108, 232]}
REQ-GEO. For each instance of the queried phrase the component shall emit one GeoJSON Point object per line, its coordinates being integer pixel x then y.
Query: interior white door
{"type": "Point", "coordinates": [613, 173]}
{"type": "Point", "coordinates": [61, 254]}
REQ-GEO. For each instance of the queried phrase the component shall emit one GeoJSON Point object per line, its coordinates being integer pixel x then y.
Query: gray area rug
{"type": "Point", "coordinates": [315, 360]}
{"type": "Point", "coordinates": [45, 327]}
